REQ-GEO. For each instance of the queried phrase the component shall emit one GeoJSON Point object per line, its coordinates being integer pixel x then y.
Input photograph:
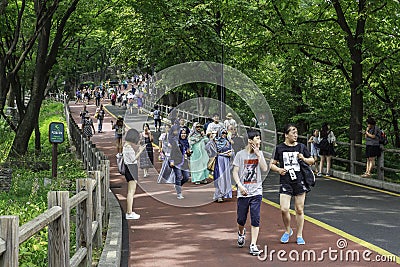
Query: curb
{"type": "Point", "coordinates": [111, 255]}
{"type": "Point", "coordinates": [367, 181]}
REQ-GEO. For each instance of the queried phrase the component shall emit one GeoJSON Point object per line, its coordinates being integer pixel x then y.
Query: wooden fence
{"type": "Point", "coordinates": [92, 212]}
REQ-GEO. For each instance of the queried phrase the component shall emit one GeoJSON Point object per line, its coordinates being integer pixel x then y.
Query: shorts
{"type": "Point", "coordinates": [243, 205]}
{"type": "Point", "coordinates": [372, 151]}
{"type": "Point", "coordinates": [294, 189]}
{"type": "Point", "coordinates": [131, 172]}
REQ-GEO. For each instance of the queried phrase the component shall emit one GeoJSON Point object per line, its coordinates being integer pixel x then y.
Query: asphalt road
{"type": "Point", "coordinates": [364, 213]}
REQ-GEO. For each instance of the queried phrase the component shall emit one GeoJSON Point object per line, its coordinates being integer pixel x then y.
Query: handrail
{"type": "Point", "coordinates": [352, 146]}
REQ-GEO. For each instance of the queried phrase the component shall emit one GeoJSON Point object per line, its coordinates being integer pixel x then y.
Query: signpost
{"type": "Point", "coordinates": [56, 136]}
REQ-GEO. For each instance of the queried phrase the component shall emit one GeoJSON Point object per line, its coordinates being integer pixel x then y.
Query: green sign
{"type": "Point", "coordinates": [56, 132]}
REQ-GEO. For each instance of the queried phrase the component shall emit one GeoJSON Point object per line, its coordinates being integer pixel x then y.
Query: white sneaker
{"type": "Point", "coordinates": [254, 250]}
{"type": "Point", "coordinates": [132, 216]}
{"type": "Point", "coordinates": [180, 196]}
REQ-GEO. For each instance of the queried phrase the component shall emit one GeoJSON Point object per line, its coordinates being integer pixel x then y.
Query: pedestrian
{"type": "Point", "coordinates": [130, 103]}
{"type": "Point", "coordinates": [147, 160]}
{"type": "Point", "coordinates": [131, 152]}
{"type": "Point", "coordinates": [100, 114]}
{"type": "Point", "coordinates": [373, 148]}
{"type": "Point", "coordinates": [182, 125]}
{"type": "Point", "coordinates": [314, 143]}
{"type": "Point", "coordinates": [205, 126]}
{"type": "Point", "coordinates": [216, 125]}
{"type": "Point", "coordinates": [180, 153]}
{"type": "Point", "coordinates": [287, 155]}
{"type": "Point", "coordinates": [82, 114]}
{"type": "Point", "coordinates": [199, 157]}
{"type": "Point", "coordinates": [78, 96]}
{"type": "Point", "coordinates": [326, 148]}
{"type": "Point", "coordinates": [230, 121]}
{"type": "Point", "coordinates": [164, 148]}
{"type": "Point", "coordinates": [97, 96]}
{"type": "Point", "coordinates": [88, 126]}
{"type": "Point", "coordinates": [113, 97]}
{"type": "Point", "coordinates": [247, 167]}
{"type": "Point", "coordinates": [211, 148]}
{"type": "Point", "coordinates": [119, 128]}
{"type": "Point", "coordinates": [140, 102]}
{"type": "Point", "coordinates": [236, 140]}
{"type": "Point", "coordinates": [222, 169]}
{"type": "Point", "coordinates": [157, 118]}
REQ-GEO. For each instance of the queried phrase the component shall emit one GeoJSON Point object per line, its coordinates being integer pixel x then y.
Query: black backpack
{"type": "Point", "coordinates": [324, 144]}
{"type": "Point", "coordinates": [382, 137]}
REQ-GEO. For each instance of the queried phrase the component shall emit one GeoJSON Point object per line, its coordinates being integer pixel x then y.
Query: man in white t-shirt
{"type": "Point", "coordinates": [216, 125]}
{"type": "Point", "coordinates": [247, 167]}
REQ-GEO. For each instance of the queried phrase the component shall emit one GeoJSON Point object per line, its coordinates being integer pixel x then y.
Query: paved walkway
{"type": "Point", "coordinates": [169, 234]}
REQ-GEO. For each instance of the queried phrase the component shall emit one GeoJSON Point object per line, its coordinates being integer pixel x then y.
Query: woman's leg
{"type": "Point", "coordinates": [299, 207]}
{"type": "Point", "coordinates": [119, 145]}
{"type": "Point", "coordinates": [129, 197]}
{"type": "Point", "coordinates": [178, 180]}
{"type": "Point", "coordinates": [284, 201]}
{"type": "Point", "coordinates": [328, 163]}
{"type": "Point", "coordinates": [321, 163]}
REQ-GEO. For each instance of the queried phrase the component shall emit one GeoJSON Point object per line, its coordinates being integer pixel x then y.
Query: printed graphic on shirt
{"type": "Point", "coordinates": [291, 164]}
{"type": "Point", "coordinates": [290, 161]}
{"type": "Point", "coordinates": [250, 171]}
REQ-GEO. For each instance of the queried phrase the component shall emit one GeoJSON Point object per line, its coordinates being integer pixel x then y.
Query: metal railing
{"type": "Point", "coordinates": [351, 147]}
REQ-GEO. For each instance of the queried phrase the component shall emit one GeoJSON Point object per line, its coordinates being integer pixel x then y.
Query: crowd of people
{"type": "Point", "coordinates": [200, 152]}
{"type": "Point", "coordinates": [216, 151]}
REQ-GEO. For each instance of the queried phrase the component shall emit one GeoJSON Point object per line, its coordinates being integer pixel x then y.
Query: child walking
{"type": "Point", "coordinates": [247, 167]}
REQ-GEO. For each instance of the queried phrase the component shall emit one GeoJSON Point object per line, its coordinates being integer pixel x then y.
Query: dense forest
{"type": "Point", "coordinates": [315, 61]}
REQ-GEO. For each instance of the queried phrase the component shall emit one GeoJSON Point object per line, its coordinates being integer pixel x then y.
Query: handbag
{"type": "Point", "coordinates": [307, 173]}
{"type": "Point", "coordinates": [211, 164]}
{"type": "Point", "coordinates": [120, 163]}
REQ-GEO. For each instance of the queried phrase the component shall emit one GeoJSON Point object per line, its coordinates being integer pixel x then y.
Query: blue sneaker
{"type": "Point", "coordinates": [285, 236]}
{"type": "Point", "coordinates": [300, 241]}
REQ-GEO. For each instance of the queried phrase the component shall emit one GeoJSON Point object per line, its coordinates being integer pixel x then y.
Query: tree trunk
{"type": "Point", "coordinates": [395, 122]}
{"type": "Point", "coordinates": [30, 120]}
{"type": "Point", "coordinates": [45, 60]}
{"type": "Point", "coordinates": [356, 115]}
{"type": "Point", "coordinates": [38, 147]}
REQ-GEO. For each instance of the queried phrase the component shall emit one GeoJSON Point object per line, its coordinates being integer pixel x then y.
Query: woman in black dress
{"type": "Point", "coordinates": [146, 159]}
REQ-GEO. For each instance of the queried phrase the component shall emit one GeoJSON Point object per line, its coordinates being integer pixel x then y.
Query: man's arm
{"type": "Point", "coordinates": [235, 174]}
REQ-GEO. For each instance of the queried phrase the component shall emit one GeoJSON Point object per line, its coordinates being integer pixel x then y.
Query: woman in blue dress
{"type": "Point", "coordinates": [222, 170]}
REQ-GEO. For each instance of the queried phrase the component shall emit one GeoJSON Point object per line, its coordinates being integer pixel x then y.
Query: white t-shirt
{"type": "Point", "coordinates": [129, 154]}
{"type": "Point", "coordinates": [214, 127]}
{"type": "Point", "coordinates": [249, 172]}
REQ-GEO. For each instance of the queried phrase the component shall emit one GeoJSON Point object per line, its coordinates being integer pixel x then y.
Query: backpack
{"type": "Point", "coordinates": [306, 171]}
{"type": "Point", "coordinates": [382, 137]}
{"type": "Point", "coordinates": [121, 163]}
{"type": "Point", "coordinates": [308, 174]}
